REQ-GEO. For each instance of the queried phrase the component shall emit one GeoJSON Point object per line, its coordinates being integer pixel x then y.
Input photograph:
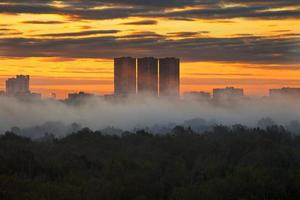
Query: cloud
{"type": "Point", "coordinates": [187, 34]}
{"type": "Point", "coordinates": [222, 74]}
{"type": "Point", "coordinates": [205, 9]}
{"type": "Point", "coordinates": [4, 31]}
{"type": "Point", "coordinates": [43, 22]}
{"type": "Point", "coordinates": [143, 3]}
{"type": "Point", "coordinates": [142, 22]}
{"type": "Point", "coordinates": [142, 34]}
{"type": "Point", "coordinates": [67, 81]}
{"type": "Point", "coordinates": [237, 49]}
{"type": "Point", "coordinates": [239, 81]}
{"type": "Point", "coordinates": [255, 12]}
{"type": "Point", "coordinates": [28, 8]}
{"type": "Point", "coordinates": [277, 67]}
{"type": "Point", "coordinates": [5, 25]}
{"type": "Point", "coordinates": [82, 33]}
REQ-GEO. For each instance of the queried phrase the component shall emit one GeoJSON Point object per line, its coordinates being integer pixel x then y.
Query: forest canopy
{"type": "Point", "coordinates": [223, 163]}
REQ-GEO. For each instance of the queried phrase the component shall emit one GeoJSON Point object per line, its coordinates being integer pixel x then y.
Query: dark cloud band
{"type": "Point", "coordinates": [202, 9]}
{"type": "Point", "coordinates": [82, 33]}
{"type": "Point", "coordinates": [238, 49]}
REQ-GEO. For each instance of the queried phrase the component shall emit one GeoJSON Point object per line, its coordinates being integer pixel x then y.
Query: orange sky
{"type": "Point", "coordinates": [64, 74]}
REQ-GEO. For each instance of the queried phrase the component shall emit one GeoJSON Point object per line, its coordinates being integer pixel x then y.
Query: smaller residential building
{"type": "Point", "coordinates": [227, 93]}
{"type": "Point", "coordinates": [285, 92]}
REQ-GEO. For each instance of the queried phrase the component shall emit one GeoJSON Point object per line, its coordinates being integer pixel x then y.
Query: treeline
{"type": "Point", "coordinates": [224, 163]}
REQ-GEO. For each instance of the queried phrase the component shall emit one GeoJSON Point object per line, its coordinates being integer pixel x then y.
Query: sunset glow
{"type": "Point", "coordinates": [54, 45]}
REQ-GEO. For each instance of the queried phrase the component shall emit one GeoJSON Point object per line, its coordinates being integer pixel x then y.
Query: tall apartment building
{"type": "Point", "coordinates": [125, 76]}
{"type": "Point", "coordinates": [148, 76]}
{"type": "Point", "coordinates": [18, 86]}
{"type": "Point", "coordinates": [169, 76]}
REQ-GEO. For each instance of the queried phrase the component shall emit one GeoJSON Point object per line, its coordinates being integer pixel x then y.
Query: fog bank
{"type": "Point", "coordinates": [97, 113]}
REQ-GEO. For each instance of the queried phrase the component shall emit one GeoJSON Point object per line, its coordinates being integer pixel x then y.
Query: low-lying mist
{"type": "Point", "coordinates": [32, 118]}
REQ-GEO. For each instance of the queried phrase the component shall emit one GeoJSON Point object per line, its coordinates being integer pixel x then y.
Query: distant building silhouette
{"type": "Point", "coordinates": [53, 95]}
{"type": "Point", "coordinates": [227, 93]}
{"type": "Point", "coordinates": [169, 76]}
{"type": "Point", "coordinates": [148, 76]}
{"type": "Point", "coordinates": [197, 96]}
{"type": "Point", "coordinates": [18, 86]}
{"type": "Point", "coordinates": [78, 97]}
{"type": "Point", "coordinates": [125, 76]}
{"type": "Point", "coordinates": [285, 92]}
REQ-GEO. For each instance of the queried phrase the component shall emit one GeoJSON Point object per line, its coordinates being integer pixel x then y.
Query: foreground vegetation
{"type": "Point", "coordinates": [225, 163]}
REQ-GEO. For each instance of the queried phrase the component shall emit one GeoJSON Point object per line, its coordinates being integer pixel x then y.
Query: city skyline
{"type": "Point", "coordinates": [66, 46]}
{"type": "Point", "coordinates": [127, 85]}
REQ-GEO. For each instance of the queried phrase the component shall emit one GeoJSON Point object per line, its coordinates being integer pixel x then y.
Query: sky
{"type": "Point", "coordinates": [69, 46]}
